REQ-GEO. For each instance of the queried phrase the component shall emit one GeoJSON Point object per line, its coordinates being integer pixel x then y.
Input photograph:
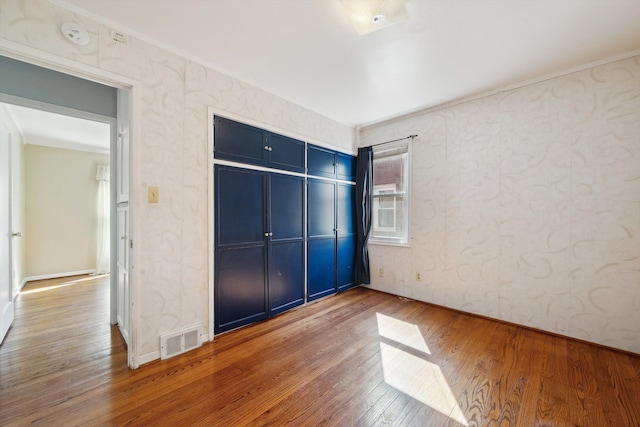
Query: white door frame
{"type": "Point", "coordinates": [67, 66]}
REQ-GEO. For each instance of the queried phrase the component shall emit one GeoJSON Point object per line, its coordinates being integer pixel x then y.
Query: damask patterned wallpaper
{"type": "Point", "coordinates": [526, 206]}
{"type": "Point", "coordinates": [176, 93]}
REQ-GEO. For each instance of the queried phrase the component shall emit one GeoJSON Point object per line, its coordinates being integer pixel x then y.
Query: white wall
{"type": "Point", "coordinates": [17, 195]}
{"type": "Point", "coordinates": [176, 92]}
{"type": "Point", "coordinates": [526, 206]}
{"type": "Point", "coordinates": [61, 192]}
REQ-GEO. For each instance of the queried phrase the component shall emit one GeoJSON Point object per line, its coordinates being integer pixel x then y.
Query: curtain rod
{"type": "Point", "coordinates": [396, 140]}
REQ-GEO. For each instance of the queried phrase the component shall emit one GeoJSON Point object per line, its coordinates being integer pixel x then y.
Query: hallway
{"type": "Point", "coordinates": [61, 333]}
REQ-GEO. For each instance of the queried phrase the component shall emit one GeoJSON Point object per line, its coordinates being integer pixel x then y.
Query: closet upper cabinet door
{"type": "Point", "coordinates": [321, 162]}
{"type": "Point", "coordinates": [285, 153]}
{"type": "Point", "coordinates": [345, 167]}
{"type": "Point", "coordinates": [242, 143]}
{"type": "Point", "coordinates": [238, 142]}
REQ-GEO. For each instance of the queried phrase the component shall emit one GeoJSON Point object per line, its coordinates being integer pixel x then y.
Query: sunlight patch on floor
{"type": "Point", "coordinates": [62, 285]}
{"type": "Point", "coordinates": [413, 375]}
{"type": "Point", "coordinates": [402, 332]}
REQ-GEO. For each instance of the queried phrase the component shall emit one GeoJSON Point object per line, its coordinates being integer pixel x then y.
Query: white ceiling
{"type": "Point", "coordinates": [39, 127]}
{"type": "Point", "coordinates": [308, 51]}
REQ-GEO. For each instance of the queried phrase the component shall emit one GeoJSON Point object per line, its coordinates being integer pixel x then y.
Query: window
{"type": "Point", "coordinates": [391, 194]}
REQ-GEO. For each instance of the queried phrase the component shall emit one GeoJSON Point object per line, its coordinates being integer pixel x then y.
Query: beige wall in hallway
{"type": "Point", "coordinates": [61, 191]}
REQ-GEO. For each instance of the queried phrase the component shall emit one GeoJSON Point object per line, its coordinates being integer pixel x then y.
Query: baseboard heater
{"type": "Point", "coordinates": [180, 342]}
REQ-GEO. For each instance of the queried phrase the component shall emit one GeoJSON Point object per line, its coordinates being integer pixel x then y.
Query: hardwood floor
{"type": "Point", "coordinates": [359, 358]}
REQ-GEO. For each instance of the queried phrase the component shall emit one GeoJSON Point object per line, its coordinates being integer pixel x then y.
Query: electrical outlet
{"type": "Point", "coordinates": [381, 272]}
{"type": "Point", "coordinates": [418, 277]}
{"type": "Point", "coordinates": [154, 195]}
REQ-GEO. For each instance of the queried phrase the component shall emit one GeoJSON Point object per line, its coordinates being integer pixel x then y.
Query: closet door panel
{"type": "Point", "coordinates": [321, 255]}
{"type": "Point", "coordinates": [321, 208]}
{"type": "Point", "coordinates": [346, 250]}
{"type": "Point", "coordinates": [240, 252]}
{"type": "Point", "coordinates": [239, 142]}
{"type": "Point", "coordinates": [286, 207]}
{"type": "Point", "coordinates": [346, 261]}
{"type": "Point", "coordinates": [321, 246]}
{"type": "Point", "coordinates": [286, 275]}
{"type": "Point", "coordinates": [240, 288]}
{"type": "Point", "coordinates": [345, 167]}
{"type": "Point", "coordinates": [345, 209]}
{"type": "Point", "coordinates": [239, 206]}
{"type": "Point", "coordinates": [321, 162]}
{"type": "Point", "coordinates": [286, 242]}
{"type": "Point", "coordinates": [286, 153]}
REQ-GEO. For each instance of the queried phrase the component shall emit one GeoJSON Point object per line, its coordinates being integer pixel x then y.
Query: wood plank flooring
{"type": "Point", "coordinates": [361, 358]}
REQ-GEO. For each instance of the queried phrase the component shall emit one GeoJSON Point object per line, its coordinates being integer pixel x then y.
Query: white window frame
{"type": "Point", "coordinates": [377, 208]}
{"type": "Point", "coordinates": [405, 239]}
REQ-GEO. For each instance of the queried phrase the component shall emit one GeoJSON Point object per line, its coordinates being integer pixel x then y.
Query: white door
{"type": "Point", "coordinates": [6, 279]}
{"type": "Point", "coordinates": [123, 224]}
{"type": "Point", "coordinates": [122, 148]}
{"type": "Point", "coordinates": [123, 271]}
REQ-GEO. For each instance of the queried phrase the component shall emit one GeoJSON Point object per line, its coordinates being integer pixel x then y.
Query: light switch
{"type": "Point", "coordinates": [154, 195]}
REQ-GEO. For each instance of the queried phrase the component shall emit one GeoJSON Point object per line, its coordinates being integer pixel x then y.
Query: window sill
{"type": "Point", "coordinates": [389, 243]}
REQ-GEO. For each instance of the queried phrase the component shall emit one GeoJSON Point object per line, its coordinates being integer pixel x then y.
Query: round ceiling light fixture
{"type": "Point", "coordinates": [75, 33]}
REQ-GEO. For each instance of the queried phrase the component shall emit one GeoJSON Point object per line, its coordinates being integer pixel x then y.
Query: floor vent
{"type": "Point", "coordinates": [179, 342]}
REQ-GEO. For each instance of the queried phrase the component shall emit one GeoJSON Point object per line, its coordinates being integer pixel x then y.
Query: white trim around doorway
{"type": "Point", "coordinates": [64, 65]}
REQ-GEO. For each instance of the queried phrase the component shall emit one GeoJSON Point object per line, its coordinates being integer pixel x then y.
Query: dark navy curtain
{"type": "Point", "coordinates": [364, 201]}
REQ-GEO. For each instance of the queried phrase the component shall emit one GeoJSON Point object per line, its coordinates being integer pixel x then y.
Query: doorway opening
{"type": "Point", "coordinates": [61, 197]}
{"type": "Point", "coordinates": [75, 164]}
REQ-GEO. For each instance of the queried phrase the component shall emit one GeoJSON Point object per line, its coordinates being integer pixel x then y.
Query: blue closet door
{"type": "Point", "coordinates": [345, 167]}
{"type": "Point", "coordinates": [286, 242]}
{"type": "Point", "coordinates": [246, 144]}
{"type": "Point", "coordinates": [239, 142]}
{"type": "Point", "coordinates": [321, 162]}
{"type": "Point", "coordinates": [240, 248]}
{"type": "Point", "coordinates": [346, 262]}
{"type": "Point", "coordinates": [346, 249]}
{"type": "Point", "coordinates": [346, 196]}
{"type": "Point", "coordinates": [286, 153]}
{"type": "Point", "coordinates": [321, 246]}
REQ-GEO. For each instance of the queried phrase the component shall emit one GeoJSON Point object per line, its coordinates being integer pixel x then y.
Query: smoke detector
{"type": "Point", "coordinates": [379, 19]}
{"type": "Point", "coordinates": [75, 33]}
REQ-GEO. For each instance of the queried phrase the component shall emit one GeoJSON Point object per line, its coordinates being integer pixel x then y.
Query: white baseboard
{"type": "Point", "coordinates": [58, 275]}
{"type": "Point", "coordinates": [149, 357]}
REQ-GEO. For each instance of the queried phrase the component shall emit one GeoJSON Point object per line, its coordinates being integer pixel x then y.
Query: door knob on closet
{"type": "Point", "coordinates": [17, 234]}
